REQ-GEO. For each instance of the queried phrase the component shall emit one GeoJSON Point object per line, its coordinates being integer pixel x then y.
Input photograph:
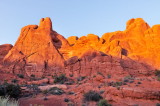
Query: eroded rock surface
{"type": "Point", "coordinates": [128, 58]}
{"type": "Point", "coordinates": [36, 50]}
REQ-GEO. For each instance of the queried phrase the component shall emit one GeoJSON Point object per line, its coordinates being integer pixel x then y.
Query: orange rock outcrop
{"type": "Point", "coordinates": [127, 57]}
{"type": "Point", "coordinates": [40, 50]}
{"type": "Point", "coordinates": [36, 50]}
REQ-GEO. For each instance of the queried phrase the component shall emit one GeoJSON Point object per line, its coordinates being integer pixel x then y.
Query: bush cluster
{"type": "Point", "coordinates": [92, 96]}
{"type": "Point", "coordinates": [55, 91]}
{"type": "Point", "coordinates": [11, 90]}
{"type": "Point", "coordinates": [60, 79]}
{"type": "Point", "coordinates": [103, 102]}
{"type": "Point", "coordinates": [20, 75]}
{"type": "Point", "coordinates": [157, 73]}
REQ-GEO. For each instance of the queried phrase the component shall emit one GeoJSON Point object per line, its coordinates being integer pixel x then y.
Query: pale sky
{"type": "Point", "coordinates": [74, 17]}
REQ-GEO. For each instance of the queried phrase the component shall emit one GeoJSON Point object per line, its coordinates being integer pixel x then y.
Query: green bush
{"type": "Point", "coordinates": [158, 78]}
{"type": "Point", "coordinates": [14, 81]}
{"type": "Point", "coordinates": [20, 75]}
{"type": "Point", "coordinates": [158, 104]}
{"type": "Point", "coordinates": [157, 73]}
{"type": "Point", "coordinates": [33, 75]}
{"type": "Point", "coordinates": [11, 90]}
{"type": "Point", "coordinates": [56, 91]}
{"type": "Point", "coordinates": [60, 79]}
{"type": "Point", "coordinates": [117, 84]}
{"type": "Point", "coordinates": [103, 102]}
{"type": "Point", "coordinates": [92, 96]}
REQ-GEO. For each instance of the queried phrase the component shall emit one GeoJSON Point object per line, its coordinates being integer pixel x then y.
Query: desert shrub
{"type": "Point", "coordinates": [81, 78]}
{"type": "Point", "coordinates": [34, 78]}
{"type": "Point", "coordinates": [103, 102]}
{"type": "Point", "coordinates": [60, 79]}
{"type": "Point", "coordinates": [66, 100]}
{"type": "Point", "coordinates": [158, 104]}
{"type": "Point", "coordinates": [108, 76]}
{"type": "Point", "coordinates": [33, 75]}
{"type": "Point", "coordinates": [70, 103]}
{"type": "Point", "coordinates": [55, 91]}
{"type": "Point", "coordinates": [158, 78]}
{"type": "Point", "coordinates": [117, 84]}
{"type": "Point", "coordinates": [5, 101]}
{"type": "Point", "coordinates": [92, 96]}
{"type": "Point", "coordinates": [34, 88]}
{"type": "Point", "coordinates": [157, 73]}
{"type": "Point", "coordinates": [14, 81]}
{"type": "Point", "coordinates": [35, 105]}
{"type": "Point", "coordinates": [45, 92]}
{"type": "Point", "coordinates": [70, 93]}
{"type": "Point", "coordinates": [128, 77]}
{"type": "Point", "coordinates": [11, 90]}
{"type": "Point", "coordinates": [20, 75]}
{"type": "Point", "coordinates": [100, 74]}
{"type": "Point", "coordinates": [2, 90]}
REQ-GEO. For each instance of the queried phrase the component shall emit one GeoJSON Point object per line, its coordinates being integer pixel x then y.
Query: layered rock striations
{"type": "Point", "coordinates": [40, 50]}
{"type": "Point", "coordinates": [139, 42]}
{"type": "Point", "coordinates": [121, 64]}
{"type": "Point", "coordinates": [36, 50]}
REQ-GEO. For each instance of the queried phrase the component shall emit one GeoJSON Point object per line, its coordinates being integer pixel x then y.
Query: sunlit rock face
{"type": "Point", "coordinates": [36, 50]}
{"type": "Point", "coordinates": [40, 50]}
{"type": "Point", "coordinates": [138, 42]}
{"type": "Point", "coordinates": [129, 58]}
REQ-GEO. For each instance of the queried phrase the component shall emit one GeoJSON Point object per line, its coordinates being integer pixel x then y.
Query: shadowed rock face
{"type": "Point", "coordinates": [4, 49]}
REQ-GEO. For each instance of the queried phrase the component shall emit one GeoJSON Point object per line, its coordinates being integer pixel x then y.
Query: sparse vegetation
{"type": "Point", "coordinates": [34, 88]}
{"type": "Point", "coordinates": [70, 103]}
{"type": "Point", "coordinates": [117, 84]}
{"type": "Point", "coordinates": [6, 101]}
{"type": "Point", "coordinates": [45, 92]}
{"type": "Point", "coordinates": [128, 78]}
{"type": "Point", "coordinates": [158, 78]}
{"type": "Point", "coordinates": [70, 93]}
{"type": "Point", "coordinates": [36, 105]}
{"type": "Point", "coordinates": [11, 90]}
{"type": "Point", "coordinates": [14, 81]}
{"type": "Point", "coordinates": [158, 104]}
{"type": "Point", "coordinates": [100, 74]}
{"type": "Point", "coordinates": [108, 76]}
{"type": "Point", "coordinates": [103, 102]}
{"type": "Point", "coordinates": [60, 79]}
{"type": "Point", "coordinates": [92, 96]}
{"type": "Point", "coordinates": [66, 100]}
{"type": "Point", "coordinates": [81, 78]}
{"type": "Point", "coordinates": [157, 72]}
{"type": "Point", "coordinates": [56, 91]}
{"type": "Point", "coordinates": [20, 75]}
{"type": "Point", "coordinates": [33, 76]}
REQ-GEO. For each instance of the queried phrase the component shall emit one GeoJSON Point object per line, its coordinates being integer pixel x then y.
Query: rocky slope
{"type": "Point", "coordinates": [130, 55]}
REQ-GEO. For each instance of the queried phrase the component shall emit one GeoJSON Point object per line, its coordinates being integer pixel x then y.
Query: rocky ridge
{"type": "Point", "coordinates": [104, 61]}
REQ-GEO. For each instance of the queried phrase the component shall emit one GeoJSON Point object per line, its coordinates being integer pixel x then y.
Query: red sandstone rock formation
{"type": "Point", "coordinates": [133, 52]}
{"type": "Point", "coordinates": [138, 42]}
{"type": "Point", "coordinates": [39, 48]}
{"type": "Point", "coordinates": [4, 49]}
{"type": "Point", "coordinates": [36, 50]}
